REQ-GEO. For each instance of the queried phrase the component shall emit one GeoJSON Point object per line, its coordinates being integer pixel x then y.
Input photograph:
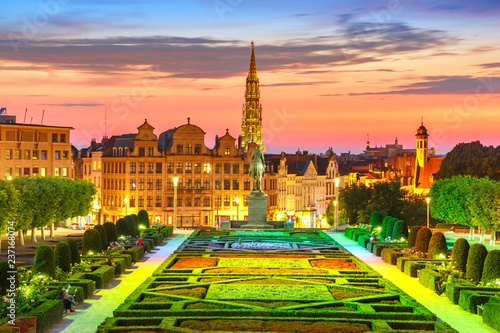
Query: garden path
{"type": "Point", "coordinates": [441, 306]}
{"type": "Point", "coordinates": [89, 315]}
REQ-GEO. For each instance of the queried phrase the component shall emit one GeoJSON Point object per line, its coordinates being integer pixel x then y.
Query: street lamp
{"type": "Point", "coordinates": [175, 180]}
{"type": "Point", "coordinates": [237, 200]}
{"type": "Point", "coordinates": [126, 206]}
{"type": "Point", "coordinates": [337, 180]}
{"type": "Point", "coordinates": [428, 200]}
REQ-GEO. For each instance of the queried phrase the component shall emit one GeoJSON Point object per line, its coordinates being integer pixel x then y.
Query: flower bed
{"type": "Point", "coordinates": [194, 263]}
{"type": "Point", "coordinates": [269, 281]}
{"type": "Point", "coordinates": [243, 270]}
{"type": "Point", "coordinates": [242, 325]}
{"type": "Point", "coordinates": [339, 294]}
{"type": "Point", "coordinates": [339, 264]}
{"type": "Point", "coordinates": [282, 256]}
{"type": "Point", "coordinates": [261, 246]}
{"type": "Point", "coordinates": [198, 292]}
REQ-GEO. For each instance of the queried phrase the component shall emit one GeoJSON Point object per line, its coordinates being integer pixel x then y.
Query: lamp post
{"type": "Point", "coordinates": [175, 180]}
{"type": "Point", "coordinates": [428, 200]}
{"type": "Point", "coordinates": [126, 206]}
{"type": "Point", "coordinates": [335, 203]}
{"type": "Point", "coordinates": [237, 200]}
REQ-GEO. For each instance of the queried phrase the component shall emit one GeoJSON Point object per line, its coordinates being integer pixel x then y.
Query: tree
{"type": "Point", "coordinates": [330, 213]}
{"type": "Point", "coordinates": [9, 203]}
{"type": "Point", "coordinates": [471, 159]}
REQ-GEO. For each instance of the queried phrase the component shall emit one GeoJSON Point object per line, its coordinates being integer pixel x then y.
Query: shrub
{"type": "Point", "coordinates": [491, 267]}
{"type": "Point", "coordinates": [91, 242]}
{"type": "Point", "coordinates": [44, 261]}
{"type": "Point", "coordinates": [62, 254]}
{"type": "Point", "coordinates": [423, 237]}
{"type": "Point", "coordinates": [475, 261]}
{"type": "Point", "coordinates": [167, 231]}
{"type": "Point", "coordinates": [375, 219]}
{"type": "Point", "coordinates": [110, 231]}
{"type": "Point", "coordinates": [390, 226]}
{"type": "Point", "coordinates": [136, 220]}
{"type": "Point", "coordinates": [400, 230]}
{"type": "Point", "coordinates": [75, 251]}
{"type": "Point", "coordinates": [104, 236]}
{"type": "Point", "coordinates": [412, 236]}
{"type": "Point", "coordinates": [143, 218]}
{"type": "Point", "coordinates": [437, 246]}
{"type": "Point", "coordinates": [123, 228]}
{"type": "Point", "coordinates": [459, 254]}
{"type": "Point", "coordinates": [383, 232]}
{"type": "Point", "coordinates": [133, 227]}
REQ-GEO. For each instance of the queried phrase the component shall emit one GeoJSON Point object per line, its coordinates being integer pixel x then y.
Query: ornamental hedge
{"type": "Point", "coordinates": [390, 226]}
{"type": "Point", "coordinates": [91, 242]}
{"type": "Point", "coordinates": [475, 262]}
{"type": "Point", "coordinates": [62, 255]}
{"type": "Point", "coordinates": [491, 267]}
{"type": "Point", "coordinates": [104, 236]}
{"type": "Point", "coordinates": [143, 218]}
{"type": "Point", "coordinates": [437, 246]}
{"type": "Point", "coordinates": [459, 255]}
{"type": "Point", "coordinates": [123, 228]}
{"type": "Point", "coordinates": [412, 236]}
{"type": "Point", "coordinates": [110, 231]}
{"type": "Point", "coordinates": [75, 251]}
{"type": "Point", "coordinates": [44, 261]}
{"type": "Point", "coordinates": [375, 219]}
{"type": "Point", "coordinates": [423, 237]}
{"type": "Point", "coordinates": [132, 225]}
{"type": "Point", "coordinates": [400, 230]}
{"type": "Point", "coordinates": [383, 232]}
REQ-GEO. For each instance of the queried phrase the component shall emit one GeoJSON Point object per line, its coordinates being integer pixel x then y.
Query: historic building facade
{"type": "Point", "coordinates": [34, 150]}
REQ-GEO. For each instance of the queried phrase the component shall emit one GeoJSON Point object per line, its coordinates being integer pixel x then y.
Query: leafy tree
{"type": "Point", "coordinates": [471, 159]}
{"type": "Point", "coordinates": [330, 213]}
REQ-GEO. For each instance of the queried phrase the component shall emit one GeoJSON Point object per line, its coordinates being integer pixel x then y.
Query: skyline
{"type": "Point", "coordinates": [328, 72]}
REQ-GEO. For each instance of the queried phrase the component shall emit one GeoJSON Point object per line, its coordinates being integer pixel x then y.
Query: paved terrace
{"type": "Point", "coordinates": [441, 306]}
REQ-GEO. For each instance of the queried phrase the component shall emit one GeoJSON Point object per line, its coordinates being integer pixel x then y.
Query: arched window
{"type": "Point", "coordinates": [114, 151]}
{"type": "Point", "coordinates": [120, 151]}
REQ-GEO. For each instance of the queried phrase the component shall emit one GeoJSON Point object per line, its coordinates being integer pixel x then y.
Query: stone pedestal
{"type": "Point", "coordinates": [257, 211]}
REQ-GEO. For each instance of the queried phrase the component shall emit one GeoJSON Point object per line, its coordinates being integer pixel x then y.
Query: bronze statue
{"type": "Point", "coordinates": [257, 169]}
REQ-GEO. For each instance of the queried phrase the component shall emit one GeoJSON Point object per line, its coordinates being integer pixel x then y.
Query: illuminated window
{"type": "Point", "coordinates": [8, 154]}
{"type": "Point", "coordinates": [132, 184]}
{"type": "Point", "coordinates": [17, 154]}
{"type": "Point", "coordinates": [227, 151]}
{"type": "Point", "coordinates": [141, 184]}
{"type": "Point", "coordinates": [218, 184]}
{"type": "Point", "coordinates": [197, 168]}
{"type": "Point", "coordinates": [158, 201]}
{"type": "Point", "coordinates": [95, 162]}
{"type": "Point", "coordinates": [34, 155]}
{"type": "Point", "coordinates": [43, 172]}
{"type": "Point", "coordinates": [158, 185]}
{"type": "Point", "coordinates": [170, 167]}
{"type": "Point", "coordinates": [26, 154]}
{"type": "Point", "coordinates": [187, 202]}
{"type": "Point", "coordinates": [150, 184]}
{"type": "Point", "coordinates": [150, 201]}
{"type": "Point", "coordinates": [197, 201]}
{"type": "Point", "coordinates": [218, 168]}
{"type": "Point", "coordinates": [206, 184]}
{"type": "Point", "coordinates": [65, 172]}
{"type": "Point", "coordinates": [206, 201]}
{"type": "Point", "coordinates": [246, 185]}
{"type": "Point", "coordinates": [227, 200]}
{"type": "Point", "coordinates": [150, 151]}
{"type": "Point", "coordinates": [8, 172]}
{"type": "Point", "coordinates": [206, 167]}
{"type": "Point", "coordinates": [98, 163]}
{"type": "Point", "coordinates": [141, 167]}
{"type": "Point", "coordinates": [17, 172]}
{"type": "Point", "coordinates": [150, 167]}
{"type": "Point", "coordinates": [189, 184]}
{"type": "Point", "coordinates": [56, 172]}
{"type": "Point", "coordinates": [131, 201]}
{"type": "Point", "coordinates": [189, 149]}
{"type": "Point", "coordinates": [178, 167]}
{"type": "Point", "coordinates": [197, 184]}
{"type": "Point", "coordinates": [132, 167]}
{"type": "Point", "coordinates": [189, 167]}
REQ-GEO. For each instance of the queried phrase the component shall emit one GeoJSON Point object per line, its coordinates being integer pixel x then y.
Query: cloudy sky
{"type": "Point", "coordinates": [331, 72]}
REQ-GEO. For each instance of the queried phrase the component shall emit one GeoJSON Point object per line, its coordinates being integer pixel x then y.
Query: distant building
{"type": "Point", "coordinates": [34, 150]}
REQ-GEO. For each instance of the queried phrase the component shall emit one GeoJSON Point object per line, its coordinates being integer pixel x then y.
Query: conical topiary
{"type": "Point", "coordinates": [491, 267]}
{"type": "Point", "coordinates": [375, 219]}
{"type": "Point", "coordinates": [123, 228]}
{"type": "Point", "coordinates": [133, 227]}
{"type": "Point", "coordinates": [62, 255]}
{"type": "Point", "coordinates": [75, 251]}
{"type": "Point", "coordinates": [459, 255]}
{"type": "Point", "coordinates": [110, 231]}
{"type": "Point", "coordinates": [475, 262]}
{"type": "Point", "coordinates": [412, 236]}
{"type": "Point", "coordinates": [104, 236]}
{"type": "Point", "coordinates": [390, 226]}
{"type": "Point", "coordinates": [400, 230]}
{"type": "Point", "coordinates": [423, 237]}
{"type": "Point", "coordinates": [383, 232]}
{"type": "Point", "coordinates": [437, 246]}
{"type": "Point", "coordinates": [143, 218]}
{"type": "Point", "coordinates": [91, 242]}
{"type": "Point", "coordinates": [44, 261]}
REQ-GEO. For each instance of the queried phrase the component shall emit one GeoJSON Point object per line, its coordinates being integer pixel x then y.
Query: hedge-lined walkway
{"type": "Point", "coordinates": [440, 305]}
{"type": "Point", "coordinates": [94, 311]}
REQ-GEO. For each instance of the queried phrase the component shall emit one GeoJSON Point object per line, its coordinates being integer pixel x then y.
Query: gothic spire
{"type": "Point", "coordinates": [252, 69]}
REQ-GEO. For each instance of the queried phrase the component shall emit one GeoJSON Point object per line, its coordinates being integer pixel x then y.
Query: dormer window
{"type": "Point", "coordinates": [142, 151]}
{"type": "Point", "coordinates": [227, 151]}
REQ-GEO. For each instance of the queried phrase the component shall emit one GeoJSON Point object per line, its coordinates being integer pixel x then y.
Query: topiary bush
{"type": "Point", "coordinates": [75, 251]}
{"type": "Point", "coordinates": [475, 261]}
{"type": "Point", "coordinates": [123, 228]}
{"type": "Point", "coordinates": [423, 237]}
{"type": "Point", "coordinates": [91, 242]}
{"type": "Point", "coordinates": [491, 267]}
{"type": "Point", "coordinates": [62, 255]}
{"type": "Point", "coordinates": [375, 219]}
{"type": "Point", "coordinates": [390, 226]}
{"type": "Point", "coordinates": [383, 232]}
{"type": "Point", "coordinates": [44, 261]}
{"type": "Point", "coordinates": [104, 236]}
{"type": "Point", "coordinates": [143, 218]}
{"type": "Point", "coordinates": [459, 255]}
{"type": "Point", "coordinates": [400, 230]}
{"type": "Point", "coordinates": [437, 246]}
{"type": "Point", "coordinates": [412, 236]}
{"type": "Point", "coordinates": [133, 227]}
{"type": "Point", "coordinates": [110, 231]}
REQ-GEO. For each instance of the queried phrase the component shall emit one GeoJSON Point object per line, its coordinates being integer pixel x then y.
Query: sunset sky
{"type": "Point", "coordinates": [331, 72]}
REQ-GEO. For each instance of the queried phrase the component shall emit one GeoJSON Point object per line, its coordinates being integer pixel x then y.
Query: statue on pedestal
{"type": "Point", "coordinates": [257, 169]}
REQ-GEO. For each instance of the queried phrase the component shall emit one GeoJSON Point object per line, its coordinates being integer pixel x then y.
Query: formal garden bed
{"type": "Point", "coordinates": [199, 288]}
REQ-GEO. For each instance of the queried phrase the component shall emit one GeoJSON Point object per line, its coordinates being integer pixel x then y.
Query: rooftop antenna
{"type": "Point", "coordinates": [31, 121]}
{"type": "Point", "coordinates": [25, 112]}
{"type": "Point", "coordinates": [43, 113]}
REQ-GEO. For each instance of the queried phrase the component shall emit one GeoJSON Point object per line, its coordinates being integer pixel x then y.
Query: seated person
{"type": "Point", "coordinates": [62, 294]}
